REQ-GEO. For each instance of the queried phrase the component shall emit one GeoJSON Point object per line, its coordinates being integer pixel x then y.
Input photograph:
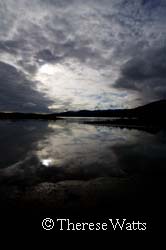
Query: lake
{"type": "Point", "coordinates": [71, 166]}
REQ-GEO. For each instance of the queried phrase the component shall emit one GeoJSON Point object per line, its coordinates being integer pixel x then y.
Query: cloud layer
{"type": "Point", "coordinates": [145, 73]}
{"type": "Point", "coordinates": [59, 54]}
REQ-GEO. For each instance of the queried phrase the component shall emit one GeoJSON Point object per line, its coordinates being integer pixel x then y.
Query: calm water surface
{"type": "Point", "coordinates": [37, 155]}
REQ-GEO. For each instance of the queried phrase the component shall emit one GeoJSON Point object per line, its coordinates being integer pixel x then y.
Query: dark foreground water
{"type": "Point", "coordinates": [70, 167]}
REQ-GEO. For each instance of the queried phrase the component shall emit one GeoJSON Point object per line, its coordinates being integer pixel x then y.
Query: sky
{"type": "Point", "coordinates": [58, 55]}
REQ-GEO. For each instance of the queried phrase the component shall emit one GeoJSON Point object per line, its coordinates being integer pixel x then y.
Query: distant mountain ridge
{"type": "Point", "coordinates": [27, 116]}
{"type": "Point", "coordinates": [153, 111]}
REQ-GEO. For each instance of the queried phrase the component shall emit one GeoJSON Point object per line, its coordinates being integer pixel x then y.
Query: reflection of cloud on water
{"type": "Point", "coordinates": [76, 165]}
{"type": "Point", "coordinates": [142, 159]}
{"type": "Point", "coordinates": [59, 151]}
{"type": "Point", "coordinates": [21, 171]}
{"type": "Point", "coordinates": [19, 139]}
{"type": "Point", "coordinates": [71, 151]}
{"type": "Point", "coordinates": [82, 148]}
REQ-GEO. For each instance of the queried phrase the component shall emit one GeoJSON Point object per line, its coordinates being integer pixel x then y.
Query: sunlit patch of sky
{"type": "Point", "coordinates": [81, 54]}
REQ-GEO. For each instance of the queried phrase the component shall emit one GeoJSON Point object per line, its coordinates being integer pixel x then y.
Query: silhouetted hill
{"type": "Point", "coordinates": [154, 110]}
{"type": "Point", "coordinates": [27, 116]}
{"type": "Point", "coordinates": [150, 118]}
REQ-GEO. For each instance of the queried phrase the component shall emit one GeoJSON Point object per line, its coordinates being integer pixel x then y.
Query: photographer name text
{"type": "Point", "coordinates": [110, 224]}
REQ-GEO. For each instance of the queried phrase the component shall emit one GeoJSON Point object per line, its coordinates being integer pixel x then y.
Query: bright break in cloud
{"type": "Point", "coordinates": [72, 54]}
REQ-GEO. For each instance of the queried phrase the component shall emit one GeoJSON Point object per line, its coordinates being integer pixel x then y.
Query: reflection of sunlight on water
{"type": "Point", "coordinates": [47, 162]}
{"type": "Point", "coordinates": [78, 140]}
{"type": "Point", "coordinates": [79, 147]}
{"type": "Point", "coordinates": [50, 162]}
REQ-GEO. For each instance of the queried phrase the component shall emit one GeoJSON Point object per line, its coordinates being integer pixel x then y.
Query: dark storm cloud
{"type": "Point", "coordinates": [9, 46]}
{"type": "Point", "coordinates": [47, 56]}
{"type": "Point", "coordinates": [152, 3]}
{"type": "Point", "coordinates": [58, 3]}
{"type": "Point", "coordinates": [18, 93]}
{"type": "Point", "coordinates": [146, 73]}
